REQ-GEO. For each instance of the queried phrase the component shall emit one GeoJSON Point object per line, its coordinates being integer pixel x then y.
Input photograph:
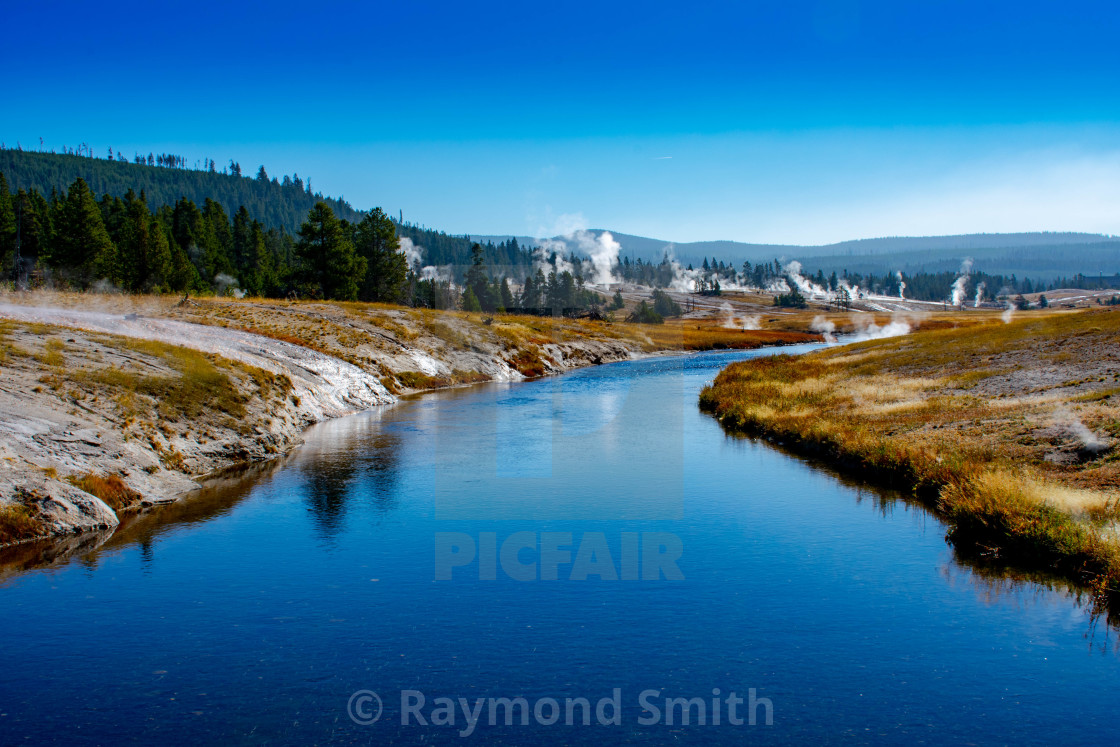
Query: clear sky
{"type": "Point", "coordinates": [780, 121]}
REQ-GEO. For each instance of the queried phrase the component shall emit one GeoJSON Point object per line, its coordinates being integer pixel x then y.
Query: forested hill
{"type": "Point", "coordinates": [279, 203]}
{"type": "Point", "coordinates": [276, 202]}
{"type": "Point", "coordinates": [440, 248]}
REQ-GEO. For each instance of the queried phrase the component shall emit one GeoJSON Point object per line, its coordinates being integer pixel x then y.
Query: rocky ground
{"type": "Point", "coordinates": [93, 425]}
{"type": "Point", "coordinates": [104, 411]}
{"type": "Point", "coordinates": [112, 402]}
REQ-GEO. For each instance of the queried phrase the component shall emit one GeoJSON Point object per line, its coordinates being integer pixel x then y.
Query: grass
{"type": "Point", "coordinates": [17, 523]}
{"type": "Point", "coordinates": [109, 488]}
{"type": "Point", "coordinates": [422, 381]}
{"type": "Point", "coordinates": [528, 361]}
{"type": "Point", "coordinates": [977, 421]}
{"type": "Point", "coordinates": [681, 334]}
{"type": "Point", "coordinates": [337, 328]}
{"type": "Point", "coordinates": [201, 384]}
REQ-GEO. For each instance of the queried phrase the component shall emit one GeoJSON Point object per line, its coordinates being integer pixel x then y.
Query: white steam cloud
{"type": "Point", "coordinates": [414, 255]}
{"type": "Point", "coordinates": [1070, 423]}
{"type": "Point", "coordinates": [961, 283]}
{"type": "Point", "coordinates": [440, 274]}
{"type": "Point", "coordinates": [979, 295]}
{"type": "Point", "coordinates": [105, 286]}
{"type": "Point", "coordinates": [1008, 313]}
{"type": "Point", "coordinates": [866, 329]}
{"type": "Point", "coordinates": [895, 328]}
{"type": "Point", "coordinates": [745, 323]}
{"type": "Point", "coordinates": [806, 286]}
{"type": "Point", "coordinates": [901, 285]}
{"type": "Point", "coordinates": [603, 250]}
{"type": "Point", "coordinates": [825, 328]}
{"type": "Point", "coordinates": [225, 285]}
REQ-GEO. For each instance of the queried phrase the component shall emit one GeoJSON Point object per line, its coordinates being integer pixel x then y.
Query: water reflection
{"type": "Point", "coordinates": [216, 497]}
{"type": "Point", "coordinates": [996, 579]}
{"type": "Point", "coordinates": [262, 605]}
{"type": "Point", "coordinates": [496, 434]}
{"type": "Point", "coordinates": [348, 460]}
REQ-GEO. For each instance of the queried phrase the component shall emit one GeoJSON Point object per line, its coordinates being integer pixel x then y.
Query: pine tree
{"type": "Point", "coordinates": [82, 245]}
{"type": "Point", "coordinates": [35, 233]}
{"type": "Point", "coordinates": [475, 279]}
{"type": "Point", "coordinates": [7, 225]}
{"type": "Point", "coordinates": [145, 256]}
{"type": "Point", "coordinates": [216, 241]}
{"type": "Point", "coordinates": [328, 262]}
{"type": "Point", "coordinates": [375, 240]}
{"type": "Point", "coordinates": [183, 276]}
{"type": "Point", "coordinates": [470, 300]}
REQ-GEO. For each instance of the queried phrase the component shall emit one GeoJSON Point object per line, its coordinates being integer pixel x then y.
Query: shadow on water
{"type": "Point", "coordinates": [996, 579]}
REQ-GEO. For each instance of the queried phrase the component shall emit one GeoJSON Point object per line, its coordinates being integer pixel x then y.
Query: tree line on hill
{"type": "Point", "coordinates": [281, 203]}
{"type": "Point", "coordinates": [441, 249]}
{"type": "Point", "coordinates": [167, 226]}
{"type": "Point", "coordinates": [76, 240]}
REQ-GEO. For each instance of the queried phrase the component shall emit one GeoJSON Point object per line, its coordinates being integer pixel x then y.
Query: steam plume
{"type": "Point", "coordinates": [979, 295]}
{"type": "Point", "coordinates": [730, 321]}
{"type": "Point", "coordinates": [806, 286]}
{"type": "Point", "coordinates": [825, 327]}
{"type": "Point", "coordinates": [961, 283]}
{"type": "Point", "coordinates": [1008, 313]}
{"type": "Point", "coordinates": [1069, 422]}
{"type": "Point", "coordinates": [227, 285]}
{"type": "Point", "coordinates": [414, 255]}
{"type": "Point", "coordinates": [603, 250]}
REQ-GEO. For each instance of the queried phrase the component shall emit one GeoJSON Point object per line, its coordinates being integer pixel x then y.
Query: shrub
{"type": "Point", "coordinates": [109, 488]}
{"type": "Point", "coordinates": [645, 314]}
{"type": "Point", "coordinates": [18, 522]}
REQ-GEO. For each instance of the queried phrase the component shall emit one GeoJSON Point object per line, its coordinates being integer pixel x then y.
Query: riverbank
{"type": "Point", "coordinates": [112, 403]}
{"type": "Point", "coordinates": [1008, 431]}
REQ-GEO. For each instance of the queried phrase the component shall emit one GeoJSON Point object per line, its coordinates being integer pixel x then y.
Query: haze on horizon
{"type": "Point", "coordinates": [806, 123]}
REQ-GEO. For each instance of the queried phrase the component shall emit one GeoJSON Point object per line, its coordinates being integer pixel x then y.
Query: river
{"type": "Point", "coordinates": [591, 536]}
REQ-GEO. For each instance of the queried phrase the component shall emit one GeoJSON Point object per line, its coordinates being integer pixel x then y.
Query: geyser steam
{"type": "Point", "coordinates": [961, 283]}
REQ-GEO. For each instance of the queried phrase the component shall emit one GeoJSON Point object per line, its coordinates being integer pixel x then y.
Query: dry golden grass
{"type": "Point", "coordinates": [201, 385]}
{"type": "Point", "coordinates": [978, 419]}
{"type": "Point", "coordinates": [17, 523]}
{"type": "Point", "coordinates": [422, 381]}
{"type": "Point", "coordinates": [689, 334]}
{"type": "Point", "coordinates": [110, 489]}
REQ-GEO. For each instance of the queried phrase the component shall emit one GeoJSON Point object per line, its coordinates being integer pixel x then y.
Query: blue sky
{"type": "Point", "coordinates": [793, 122]}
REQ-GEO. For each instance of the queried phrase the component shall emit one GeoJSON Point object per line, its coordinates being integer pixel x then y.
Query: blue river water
{"type": "Point", "coordinates": [590, 547]}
